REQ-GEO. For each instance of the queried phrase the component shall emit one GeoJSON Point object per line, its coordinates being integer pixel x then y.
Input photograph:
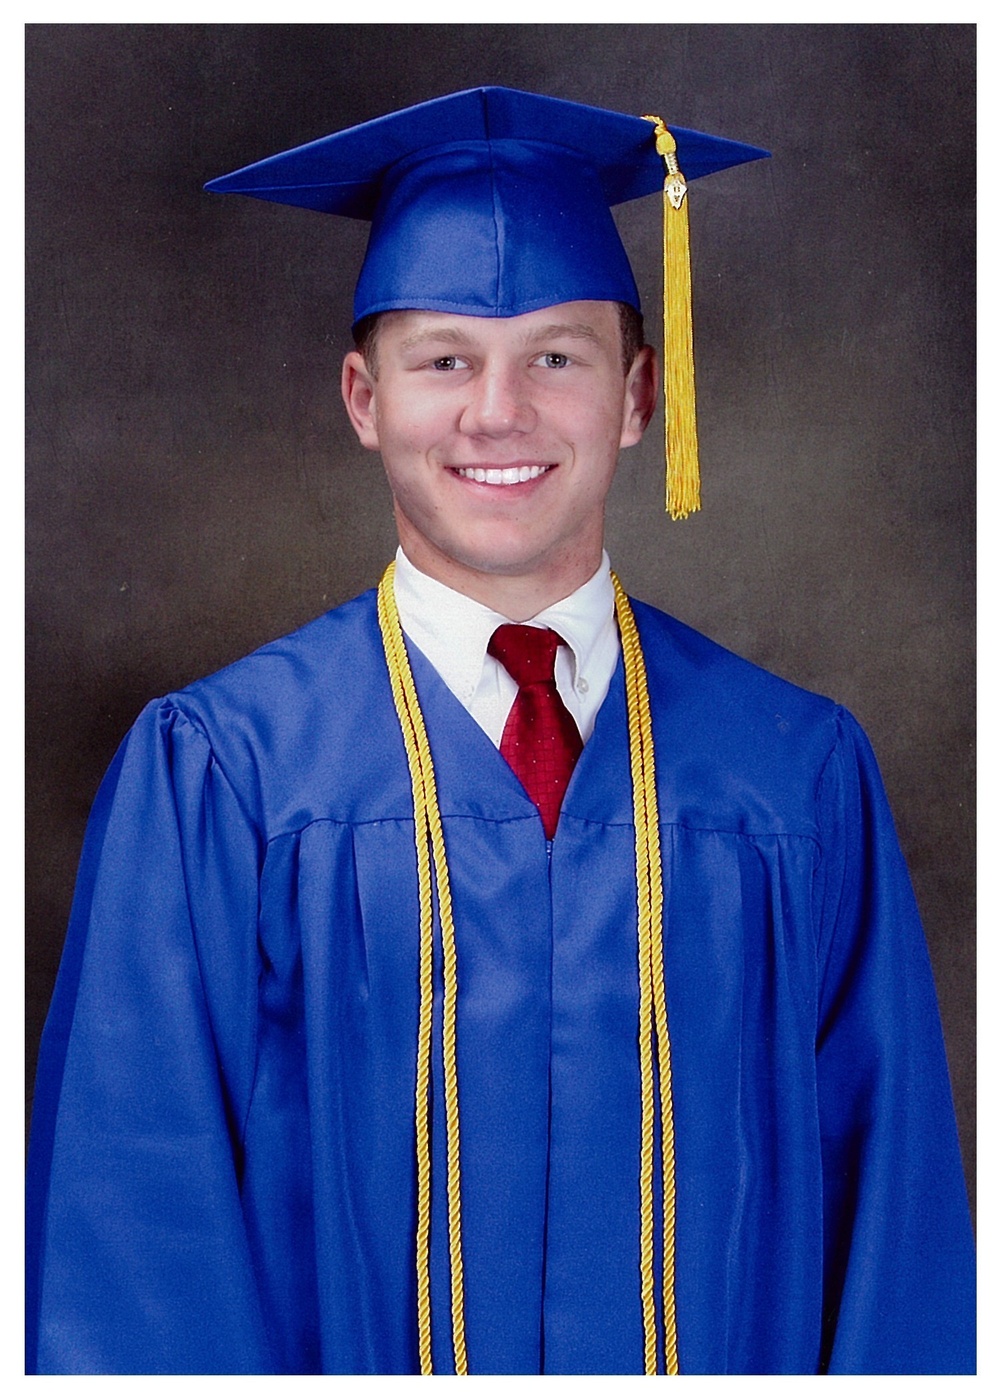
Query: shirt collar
{"type": "Point", "coordinates": [583, 619]}
{"type": "Point", "coordinates": [453, 631]}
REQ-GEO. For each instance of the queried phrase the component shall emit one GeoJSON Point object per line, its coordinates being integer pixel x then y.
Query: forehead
{"type": "Point", "coordinates": [596, 321]}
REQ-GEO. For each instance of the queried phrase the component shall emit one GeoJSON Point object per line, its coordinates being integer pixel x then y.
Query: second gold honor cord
{"type": "Point", "coordinates": [654, 1044]}
{"type": "Point", "coordinates": [654, 1041]}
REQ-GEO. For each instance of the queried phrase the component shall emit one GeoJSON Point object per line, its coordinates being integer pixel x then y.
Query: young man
{"type": "Point", "coordinates": [495, 975]}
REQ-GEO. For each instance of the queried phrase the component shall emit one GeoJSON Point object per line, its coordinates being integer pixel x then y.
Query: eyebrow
{"type": "Point", "coordinates": [455, 335]}
{"type": "Point", "coordinates": [574, 330]}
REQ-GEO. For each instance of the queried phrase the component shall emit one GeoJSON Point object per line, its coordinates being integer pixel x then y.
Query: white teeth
{"type": "Point", "coordinates": [502, 476]}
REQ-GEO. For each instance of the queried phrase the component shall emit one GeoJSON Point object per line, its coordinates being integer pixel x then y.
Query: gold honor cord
{"type": "Point", "coordinates": [430, 851]}
{"type": "Point", "coordinates": [654, 1043]}
{"type": "Point", "coordinates": [652, 1000]}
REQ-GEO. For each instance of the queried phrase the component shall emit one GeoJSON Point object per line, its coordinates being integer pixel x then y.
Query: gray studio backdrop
{"type": "Point", "coordinates": [194, 488]}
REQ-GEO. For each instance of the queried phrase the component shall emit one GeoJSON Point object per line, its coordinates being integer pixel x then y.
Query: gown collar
{"type": "Point", "coordinates": [474, 780]}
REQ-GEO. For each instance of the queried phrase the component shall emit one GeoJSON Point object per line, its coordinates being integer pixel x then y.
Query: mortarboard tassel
{"type": "Point", "coordinates": [680, 422]}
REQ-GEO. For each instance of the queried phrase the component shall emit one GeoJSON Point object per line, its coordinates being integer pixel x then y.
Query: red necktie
{"type": "Point", "coordinates": [540, 739]}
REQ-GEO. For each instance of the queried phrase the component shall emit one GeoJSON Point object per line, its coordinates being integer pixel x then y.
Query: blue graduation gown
{"type": "Point", "coordinates": [222, 1166]}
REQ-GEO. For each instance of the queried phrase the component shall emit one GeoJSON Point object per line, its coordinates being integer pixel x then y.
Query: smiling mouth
{"type": "Point", "coordinates": [503, 476]}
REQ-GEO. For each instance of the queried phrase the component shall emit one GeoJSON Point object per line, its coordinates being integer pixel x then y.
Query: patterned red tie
{"type": "Point", "coordinates": [540, 739]}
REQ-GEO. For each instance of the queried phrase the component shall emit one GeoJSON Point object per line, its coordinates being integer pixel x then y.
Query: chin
{"type": "Point", "coordinates": [493, 556]}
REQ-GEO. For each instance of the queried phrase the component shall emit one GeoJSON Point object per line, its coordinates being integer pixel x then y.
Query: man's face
{"type": "Point", "coordinates": [500, 437]}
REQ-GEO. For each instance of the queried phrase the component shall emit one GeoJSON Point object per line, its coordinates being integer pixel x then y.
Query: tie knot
{"type": "Point", "coordinates": [528, 654]}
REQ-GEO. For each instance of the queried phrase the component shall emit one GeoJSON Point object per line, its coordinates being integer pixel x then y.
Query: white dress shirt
{"type": "Point", "coordinates": [453, 632]}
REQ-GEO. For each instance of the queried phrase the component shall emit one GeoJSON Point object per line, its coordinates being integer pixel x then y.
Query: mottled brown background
{"type": "Point", "coordinates": [194, 488]}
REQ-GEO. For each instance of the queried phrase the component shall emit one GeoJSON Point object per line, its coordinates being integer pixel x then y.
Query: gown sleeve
{"type": "Point", "coordinates": [899, 1262]}
{"type": "Point", "coordinates": [138, 1258]}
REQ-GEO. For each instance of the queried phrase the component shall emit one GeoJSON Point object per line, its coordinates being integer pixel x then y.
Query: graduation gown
{"type": "Point", "coordinates": [222, 1168]}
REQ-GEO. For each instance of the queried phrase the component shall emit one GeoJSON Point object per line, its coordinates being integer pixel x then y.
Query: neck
{"type": "Point", "coordinates": [516, 596]}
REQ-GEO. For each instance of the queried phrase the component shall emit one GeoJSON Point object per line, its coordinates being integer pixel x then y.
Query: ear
{"type": "Point", "coordinates": [641, 385]}
{"type": "Point", "coordinates": [357, 387]}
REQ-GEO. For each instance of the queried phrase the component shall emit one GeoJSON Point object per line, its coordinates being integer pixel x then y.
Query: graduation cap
{"type": "Point", "coordinates": [493, 202]}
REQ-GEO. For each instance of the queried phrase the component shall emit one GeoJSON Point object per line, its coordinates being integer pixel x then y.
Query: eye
{"type": "Point", "coordinates": [447, 362]}
{"type": "Point", "coordinates": [553, 359]}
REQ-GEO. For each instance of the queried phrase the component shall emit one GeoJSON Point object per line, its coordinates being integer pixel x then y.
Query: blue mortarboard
{"type": "Point", "coordinates": [488, 202]}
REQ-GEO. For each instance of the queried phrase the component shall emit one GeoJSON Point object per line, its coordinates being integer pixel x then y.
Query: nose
{"type": "Point", "coordinates": [499, 403]}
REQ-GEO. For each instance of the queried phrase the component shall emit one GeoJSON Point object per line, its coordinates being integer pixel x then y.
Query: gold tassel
{"type": "Point", "coordinates": [680, 423]}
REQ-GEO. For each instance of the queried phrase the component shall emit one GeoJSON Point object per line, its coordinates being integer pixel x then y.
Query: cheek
{"type": "Point", "coordinates": [414, 427]}
{"type": "Point", "coordinates": [594, 425]}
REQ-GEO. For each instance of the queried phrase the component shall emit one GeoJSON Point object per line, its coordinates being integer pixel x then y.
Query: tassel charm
{"type": "Point", "coordinates": [681, 431]}
{"type": "Point", "coordinates": [674, 186]}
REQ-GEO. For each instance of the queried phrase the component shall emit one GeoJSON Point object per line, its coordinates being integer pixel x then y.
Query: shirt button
{"type": "Point", "coordinates": [582, 685]}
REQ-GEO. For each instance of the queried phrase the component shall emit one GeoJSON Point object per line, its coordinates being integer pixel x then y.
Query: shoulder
{"type": "Point", "coordinates": [277, 680]}
{"type": "Point", "coordinates": [745, 739]}
{"type": "Point", "coordinates": [286, 725]}
{"type": "Point", "coordinates": [700, 669]}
